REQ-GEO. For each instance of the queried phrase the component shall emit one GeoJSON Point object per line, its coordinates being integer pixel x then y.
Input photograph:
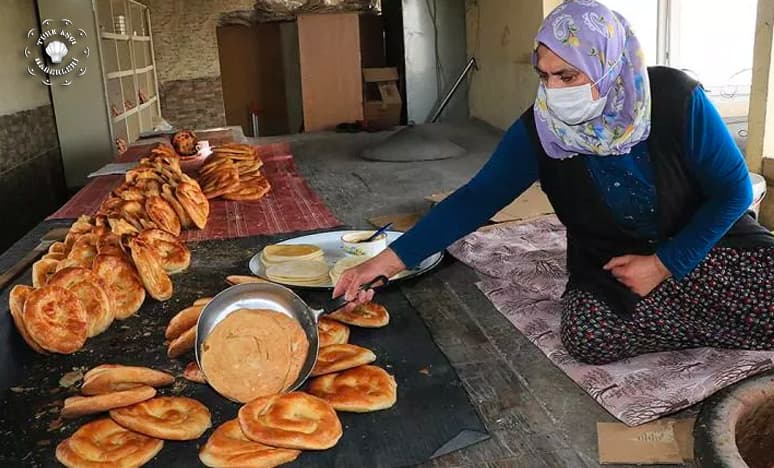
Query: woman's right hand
{"type": "Point", "coordinates": [386, 263]}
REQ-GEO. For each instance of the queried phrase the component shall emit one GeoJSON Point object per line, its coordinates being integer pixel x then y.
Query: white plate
{"type": "Point", "coordinates": [330, 243]}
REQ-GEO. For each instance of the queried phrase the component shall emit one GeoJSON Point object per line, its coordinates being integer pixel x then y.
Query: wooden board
{"type": "Point", "coordinates": [330, 70]}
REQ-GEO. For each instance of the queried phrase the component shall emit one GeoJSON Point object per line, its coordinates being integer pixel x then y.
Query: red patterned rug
{"type": "Point", "coordinates": [291, 205]}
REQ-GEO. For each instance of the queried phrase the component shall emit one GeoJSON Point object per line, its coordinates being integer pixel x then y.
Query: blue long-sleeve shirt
{"type": "Point", "coordinates": [626, 183]}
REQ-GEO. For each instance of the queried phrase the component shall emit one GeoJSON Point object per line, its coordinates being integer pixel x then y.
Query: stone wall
{"type": "Point", "coordinates": [194, 103]}
{"type": "Point", "coordinates": [186, 50]}
{"type": "Point", "coordinates": [31, 176]}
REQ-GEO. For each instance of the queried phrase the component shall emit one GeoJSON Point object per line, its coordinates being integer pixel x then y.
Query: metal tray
{"type": "Point", "coordinates": [330, 243]}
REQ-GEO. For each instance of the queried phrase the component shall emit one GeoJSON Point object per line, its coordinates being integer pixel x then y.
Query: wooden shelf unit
{"type": "Point", "coordinates": [128, 67]}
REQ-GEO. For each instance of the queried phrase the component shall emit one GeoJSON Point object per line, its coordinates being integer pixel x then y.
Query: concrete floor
{"type": "Point", "coordinates": [357, 189]}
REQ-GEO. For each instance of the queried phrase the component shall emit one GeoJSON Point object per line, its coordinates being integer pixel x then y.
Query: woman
{"type": "Point", "coordinates": [653, 191]}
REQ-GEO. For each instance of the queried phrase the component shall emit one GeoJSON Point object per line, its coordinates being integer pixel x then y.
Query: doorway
{"type": "Point", "coordinates": [260, 76]}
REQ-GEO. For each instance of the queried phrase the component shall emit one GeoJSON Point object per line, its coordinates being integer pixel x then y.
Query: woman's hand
{"type": "Point", "coordinates": [639, 273]}
{"type": "Point", "coordinates": [386, 263]}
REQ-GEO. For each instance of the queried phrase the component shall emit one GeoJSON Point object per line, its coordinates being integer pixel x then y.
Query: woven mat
{"type": "Point", "coordinates": [291, 205]}
{"type": "Point", "coordinates": [523, 270]}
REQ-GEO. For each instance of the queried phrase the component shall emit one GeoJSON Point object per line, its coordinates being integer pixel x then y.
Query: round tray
{"type": "Point", "coordinates": [330, 243]}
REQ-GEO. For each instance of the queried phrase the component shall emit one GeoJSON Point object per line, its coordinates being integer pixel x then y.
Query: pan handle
{"type": "Point", "coordinates": [333, 305]}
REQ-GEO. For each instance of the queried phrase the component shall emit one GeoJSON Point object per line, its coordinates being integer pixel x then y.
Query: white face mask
{"type": "Point", "coordinates": [574, 105]}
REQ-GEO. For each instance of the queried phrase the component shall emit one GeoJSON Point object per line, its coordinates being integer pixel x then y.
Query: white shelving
{"type": "Point", "coordinates": [128, 62]}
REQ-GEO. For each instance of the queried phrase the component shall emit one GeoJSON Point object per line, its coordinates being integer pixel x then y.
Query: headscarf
{"type": "Point", "coordinates": [601, 44]}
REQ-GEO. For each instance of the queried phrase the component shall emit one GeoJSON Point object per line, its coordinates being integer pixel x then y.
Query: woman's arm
{"type": "Point", "coordinates": [720, 170]}
{"type": "Point", "coordinates": [510, 171]}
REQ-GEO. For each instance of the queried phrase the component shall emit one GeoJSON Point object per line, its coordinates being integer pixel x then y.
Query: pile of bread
{"type": "Point", "coordinates": [108, 262]}
{"type": "Point", "coordinates": [344, 380]}
{"type": "Point", "coordinates": [233, 172]}
{"type": "Point", "coordinates": [139, 421]}
{"type": "Point", "coordinates": [156, 194]}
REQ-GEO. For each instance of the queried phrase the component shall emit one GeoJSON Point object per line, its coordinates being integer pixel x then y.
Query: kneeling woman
{"type": "Point", "coordinates": [642, 171]}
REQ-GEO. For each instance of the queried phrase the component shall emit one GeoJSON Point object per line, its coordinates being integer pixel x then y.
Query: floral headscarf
{"type": "Point", "coordinates": [601, 44]}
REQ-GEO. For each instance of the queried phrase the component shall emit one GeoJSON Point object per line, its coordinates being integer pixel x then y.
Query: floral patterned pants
{"type": "Point", "coordinates": [726, 302]}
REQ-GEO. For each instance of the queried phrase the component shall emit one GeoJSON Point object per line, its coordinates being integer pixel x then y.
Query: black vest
{"type": "Point", "coordinates": [593, 234]}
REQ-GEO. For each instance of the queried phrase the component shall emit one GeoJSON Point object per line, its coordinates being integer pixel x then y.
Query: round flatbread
{"type": "Point", "coordinates": [359, 390]}
{"type": "Point", "coordinates": [229, 447]}
{"type": "Point", "coordinates": [368, 315]}
{"type": "Point", "coordinates": [121, 282]}
{"type": "Point", "coordinates": [278, 253]}
{"type": "Point", "coordinates": [274, 420]}
{"type": "Point", "coordinates": [78, 406]}
{"type": "Point", "coordinates": [169, 418]}
{"type": "Point", "coordinates": [16, 300]}
{"type": "Point", "coordinates": [298, 271]}
{"type": "Point", "coordinates": [339, 357]}
{"type": "Point", "coordinates": [331, 332]}
{"type": "Point", "coordinates": [55, 319]}
{"type": "Point", "coordinates": [91, 292]}
{"type": "Point", "coordinates": [104, 443]}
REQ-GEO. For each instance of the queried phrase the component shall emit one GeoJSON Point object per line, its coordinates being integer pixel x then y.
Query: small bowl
{"type": "Point", "coordinates": [354, 248]}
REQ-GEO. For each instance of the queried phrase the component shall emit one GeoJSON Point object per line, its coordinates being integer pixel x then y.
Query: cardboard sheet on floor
{"type": "Point", "coordinates": [531, 204]}
{"type": "Point", "coordinates": [433, 415]}
{"type": "Point", "coordinates": [663, 441]}
{"type": "Point", "coordinates": [400, 222]}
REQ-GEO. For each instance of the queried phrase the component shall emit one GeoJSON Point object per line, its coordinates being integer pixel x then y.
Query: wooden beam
{"type": "Point", "coordinates": [761, 116]}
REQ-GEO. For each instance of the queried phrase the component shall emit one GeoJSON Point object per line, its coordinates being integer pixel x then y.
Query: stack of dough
{"type": "Point", "coordinates": [299, 273]}
{"type": "Point", "coordinates": [280, 253]}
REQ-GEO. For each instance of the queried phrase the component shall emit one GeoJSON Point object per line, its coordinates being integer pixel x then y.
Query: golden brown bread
{"type": "Point", "coordinates": [77, 406]}
{"type": "Point", "coordinates": [163, 214]}
{"type": "Point", "coordinates": [84, 249]}
{"type": "Point", "coordinates": [242, 279]}
{"type": "Point", "coordinates": [16, 299]}
{"type": "Point", "coordinates": [169, 418]}
{"type": "Point", "coordinates": [368, 315]}
{"type": "Point", "coordinates": [182, 344]}
{"type": "Point", "coordinates": [105, 444]}
{"type": "Point", "coordinates": [332, 332]}
{"type": "Point", "coordinates": [249, 189]}
{"type": "Point", "coordinates": [121, 282]}
{"type": "Point", "coordinates": [193, 373]}
{"type": "Point", "coordinates": [229, 447]}
{"type": "Point", "coordinates": [339, 357]}
{"type": "Point", "coordinates": [152, 274]}
{"type": "Point", "coordinates": [359, 390]}
{"type": "Point", "coordinates": [168, 194]}
{"type": "Point", "coordinates": [42, 271]}
{"type": "Point", "coordinates": [293, 420]}
{"type": "Point", "coordinates": [202, 301]}
{"type": "Point", "coordinates": [183, 321]}
{"type": "Point", "coordinates": [91, 292]}
{"type": "Point", "coordinates": [173, 254]}
{"type": "Point", "coordinates": [195, 203]}
{"type": "Point", "coordinates": [108, 378]}
{"type": "Point", "coordinates": [55, 319]}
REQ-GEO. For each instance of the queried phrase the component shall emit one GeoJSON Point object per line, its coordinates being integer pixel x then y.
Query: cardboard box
{"type": "Point", "coordinates": [381, 99]}
{"type": "Point", "coordinates": [665, 441]}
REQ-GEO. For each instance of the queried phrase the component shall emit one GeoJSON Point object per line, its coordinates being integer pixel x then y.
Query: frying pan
{"type": "Point", "coordinates": [277, 298]}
